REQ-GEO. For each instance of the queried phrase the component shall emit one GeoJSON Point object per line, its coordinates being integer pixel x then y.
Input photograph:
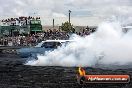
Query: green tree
{"type": "Point", "coordinates": [67, 27]}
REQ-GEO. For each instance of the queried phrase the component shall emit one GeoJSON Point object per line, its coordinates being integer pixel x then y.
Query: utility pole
{"type": "Point", "coordinates": [69, 16]}
{"type": "Point", "coordinates": [53, 23]}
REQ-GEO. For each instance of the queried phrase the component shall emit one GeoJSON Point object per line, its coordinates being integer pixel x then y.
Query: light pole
{"type": "Point", "coordinates": [69, 16]}
{"type": "Point", "coordinates": [53, 23]}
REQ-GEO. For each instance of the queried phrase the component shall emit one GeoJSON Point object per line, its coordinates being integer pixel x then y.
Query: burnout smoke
{"type": "Point", "coordinates": [108, 45]}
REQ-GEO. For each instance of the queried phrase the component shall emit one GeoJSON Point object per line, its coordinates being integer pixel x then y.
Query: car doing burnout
{"type": "Point", "coordinates": [47, 45]}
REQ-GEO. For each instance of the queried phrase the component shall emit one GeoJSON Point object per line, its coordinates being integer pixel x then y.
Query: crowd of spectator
{"type": "Point", "coordinates": [19, 21]}
{"type": "Point", "coordinates": [34, 39]}
{"type": "Point", "coordinates": [86, 31]}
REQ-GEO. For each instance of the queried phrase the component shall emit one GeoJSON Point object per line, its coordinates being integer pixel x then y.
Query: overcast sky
{"type": "Point", "coordinates": [84, 12]}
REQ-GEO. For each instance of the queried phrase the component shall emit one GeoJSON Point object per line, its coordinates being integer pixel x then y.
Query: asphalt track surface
{"type": "Point", "coordinates": [13, 74]}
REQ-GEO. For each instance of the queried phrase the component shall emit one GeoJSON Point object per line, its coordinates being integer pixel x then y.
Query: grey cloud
{"type": "Point", "coordinates": [51, 8]}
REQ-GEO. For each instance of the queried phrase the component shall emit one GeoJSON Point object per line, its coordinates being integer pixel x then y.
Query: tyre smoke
{"type": "Point", "coordinates": [108, 45]}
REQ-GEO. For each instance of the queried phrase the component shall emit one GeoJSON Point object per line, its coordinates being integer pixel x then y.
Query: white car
{"type": "Point", "coordinates": [47, 45]}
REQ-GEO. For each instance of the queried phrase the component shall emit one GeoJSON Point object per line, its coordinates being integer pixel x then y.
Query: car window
{"type": "Point", "coordinates": [51, 44]}
{"type": "Point", "coordinates": [66, 43]}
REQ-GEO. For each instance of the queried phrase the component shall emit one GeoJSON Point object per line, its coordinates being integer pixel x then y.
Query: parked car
{"type": "Point", "coordinates": [47, 45]}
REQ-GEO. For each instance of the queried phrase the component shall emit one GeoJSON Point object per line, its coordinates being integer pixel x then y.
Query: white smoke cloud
{"type": "Point", "coordinates": [109, 45]}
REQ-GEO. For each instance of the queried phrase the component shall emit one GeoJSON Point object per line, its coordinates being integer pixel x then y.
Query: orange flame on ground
{"type": "Point", "coordinates": [81, 71]}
